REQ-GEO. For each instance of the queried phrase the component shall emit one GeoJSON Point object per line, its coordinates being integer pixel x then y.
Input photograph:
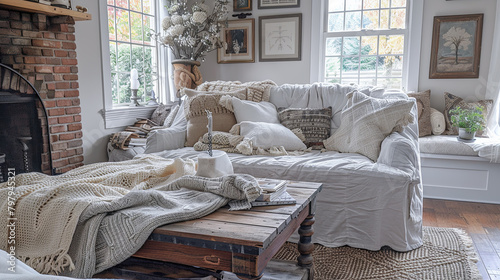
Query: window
{"type": "Point", "coordinates": [130, 23]}
{"type": "Point", "coordinates": [365, 42]}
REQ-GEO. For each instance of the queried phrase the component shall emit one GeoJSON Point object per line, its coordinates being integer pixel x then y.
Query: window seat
{"type": "Point", "coordinates": [451, 169]}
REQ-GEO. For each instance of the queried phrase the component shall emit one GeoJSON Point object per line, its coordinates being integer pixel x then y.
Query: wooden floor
{"type": "Point", "coordinates": [480, 220]}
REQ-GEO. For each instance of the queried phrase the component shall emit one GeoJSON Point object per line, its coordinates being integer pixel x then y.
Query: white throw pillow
{"type": "Point", "coordinates": [267, 135]}
{"type": "Point", "coordinates": [245, 110]}
{"type": "Point", "coordinates": [170, 138]}
{"type": "Point", "coordinates": [438, 122]}
{"type": "Point", "coordinates": [366, 121]}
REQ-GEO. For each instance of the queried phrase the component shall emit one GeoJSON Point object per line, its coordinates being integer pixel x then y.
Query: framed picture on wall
{"type": "Point", "coordinates": [456, 46]}
{"type": "Point", "coordinates": [238, 37]}
{"type": "Point", "coordinates": [280, 37]}
{"type": "Point", "coordinates": [273, 4]}
{"type": "Point", "coordinates": [242, 5]}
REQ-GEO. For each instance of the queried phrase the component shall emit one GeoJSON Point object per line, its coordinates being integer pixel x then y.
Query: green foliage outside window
{"type": "Point", "coordinates": [142, 61]}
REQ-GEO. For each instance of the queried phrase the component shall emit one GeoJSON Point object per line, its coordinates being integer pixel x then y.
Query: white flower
{"type": "Point", "coordinates": [176, 30]}
{"type": "Point", "coordinates": [212, 28]}
{"type": "Point", "coordinates": [167, 40]}
{"type": "Point", "coordinates": [199, 17]}
{"type": "Point", "coordinates": [186, 17]}
{"type": "Point", "coordinates": [176, 19]}
{"type": "Point", "coordinates": [173, 8]}
{"type": "Point", "coordinates": [201, 7]}
{"type": "Point", "coordinates": [166, 23]}
{"type": "Point", "coordinates": [192, 30]}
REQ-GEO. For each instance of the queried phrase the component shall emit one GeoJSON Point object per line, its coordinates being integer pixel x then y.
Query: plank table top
{"type": "Point", "coordinates": [242, 241]}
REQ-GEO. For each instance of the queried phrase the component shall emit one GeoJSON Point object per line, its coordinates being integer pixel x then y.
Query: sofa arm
{"type": "Point", "coordinates": [166, 139]}
{"type": "Point", "coordinates": [401, 152]}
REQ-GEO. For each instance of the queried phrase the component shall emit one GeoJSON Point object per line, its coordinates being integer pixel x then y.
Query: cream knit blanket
{"type": "Point", "coordinates": [96, 216]}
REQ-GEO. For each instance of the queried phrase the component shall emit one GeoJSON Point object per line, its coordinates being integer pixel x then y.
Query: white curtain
{"type": "Point", "coordinates": [493, 85]}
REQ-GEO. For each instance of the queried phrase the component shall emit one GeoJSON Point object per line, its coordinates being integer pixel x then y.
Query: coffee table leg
{"type": "Point", "coordinates": [305, 246]}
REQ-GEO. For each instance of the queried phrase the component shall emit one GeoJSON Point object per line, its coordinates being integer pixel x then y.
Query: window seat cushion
{"type": "Point", "coordinates": [445, 144]}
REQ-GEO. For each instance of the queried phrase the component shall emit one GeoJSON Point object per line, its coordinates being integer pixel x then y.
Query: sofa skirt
{"type": "Point", "coordinates": [363, 204]}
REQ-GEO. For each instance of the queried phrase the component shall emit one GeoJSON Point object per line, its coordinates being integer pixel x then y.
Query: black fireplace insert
{"type": "Point", "coordinates": [24, 129]}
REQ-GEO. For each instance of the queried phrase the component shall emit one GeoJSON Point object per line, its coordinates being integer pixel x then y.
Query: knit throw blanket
{"type": "Point", "coordinates": [256, 91]}
{"type": "Point", "coordinates": [96, 216]}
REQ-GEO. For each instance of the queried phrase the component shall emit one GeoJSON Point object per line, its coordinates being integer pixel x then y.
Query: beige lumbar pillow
{"type": "Point", "coordinates": [196, 116]}
{"type": "Point", "coordinates": [366, 121]}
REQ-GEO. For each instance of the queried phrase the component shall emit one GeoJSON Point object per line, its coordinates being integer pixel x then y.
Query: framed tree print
{"type": "Point", "coordinates": [238, 37]}
{"type": "Point", "coordinates": [456, 46]}
{"type": "Point", "coordinates": [242, 5]}
{"type": "Point", "coordinates": [280, 37]}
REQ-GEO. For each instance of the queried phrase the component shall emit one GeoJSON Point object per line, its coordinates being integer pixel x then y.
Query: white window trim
{"type": "Point", "coordinates": [120, 116]}
{"type": "Point", "coordinates": [414, 31]}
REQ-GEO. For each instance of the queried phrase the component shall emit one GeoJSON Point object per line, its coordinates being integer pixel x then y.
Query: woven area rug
{"type": "Point", "coordinates": [447, 253]}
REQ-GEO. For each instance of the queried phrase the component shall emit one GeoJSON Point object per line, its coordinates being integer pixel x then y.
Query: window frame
{"type": "Point", "coordinates": [413, 32]}
{"type": "Point", "coordinates": [123, 115]}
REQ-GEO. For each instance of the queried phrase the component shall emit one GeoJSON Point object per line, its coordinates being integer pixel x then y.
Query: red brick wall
{"type": "Point", "coordinates": [43, 49]}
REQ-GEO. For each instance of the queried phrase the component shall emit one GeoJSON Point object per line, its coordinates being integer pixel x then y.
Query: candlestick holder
{"type": "Point", "coordinates": [134, 98]}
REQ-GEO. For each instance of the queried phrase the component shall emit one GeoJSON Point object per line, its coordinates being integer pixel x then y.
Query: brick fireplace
{"type": "Point", "coordinates": [42, 49]}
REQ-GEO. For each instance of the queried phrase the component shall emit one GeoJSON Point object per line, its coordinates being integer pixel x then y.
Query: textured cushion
{"type": "Point", "coordinates": [314, 123]}
{"type": "Point", "coordinates": [366, 121]}
{"type": "Point", "coordinates": [194, 109]}
{"type": "Point", "coordinates": [160, 114]}
{"type": "Point", "coordinates": [451, 101]}
{"type": "Point", "coordinates": [245, 110]}
{"type": "Point", "coordinates": [438, 123]}
{"type": "Point", "coordinates": [255, 91]}
{"type": "Point", "coordinates": [267, 135]}
{"type": "Point", "coordinates": [171, 116]}
{"type": "Point", "coordinates": [424, 112]}
{"type": "Point", "coordinates": [445, 145]}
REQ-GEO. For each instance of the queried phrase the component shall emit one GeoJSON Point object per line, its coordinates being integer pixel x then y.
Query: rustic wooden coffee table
{"type": "Point", "coordinates": [241, 242]}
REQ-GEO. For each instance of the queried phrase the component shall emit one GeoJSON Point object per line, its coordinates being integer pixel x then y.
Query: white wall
{"type": "Point", "coordinates": [95, 136]}
{"type": "Point", "coordinates": [469, 89]}
{"type": "Point", "coordinates": [281, 72]}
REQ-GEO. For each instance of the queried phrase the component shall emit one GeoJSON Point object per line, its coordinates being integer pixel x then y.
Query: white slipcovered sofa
{"type": "Point", "coordinates": [363, 204]}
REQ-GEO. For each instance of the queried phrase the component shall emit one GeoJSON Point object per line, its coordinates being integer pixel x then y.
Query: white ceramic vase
{"type": "Point", "coordinates": [214, 166]}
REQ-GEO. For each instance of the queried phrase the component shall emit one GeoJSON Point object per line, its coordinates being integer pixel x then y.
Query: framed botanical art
{"type": "Point", "coordinates": [272, 4]}
{"type": "Point", "coordinates": [280, 37]}
{"type": "Point", "coordinates": [242, 5]}
{"type": "Point", "coordinates": [238, 37]}
{"type": "Point", "coordinates": [456, 46]}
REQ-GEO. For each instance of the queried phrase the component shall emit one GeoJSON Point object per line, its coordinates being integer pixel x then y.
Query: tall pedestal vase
{"type": "Point", "coordinates": [186, 74]}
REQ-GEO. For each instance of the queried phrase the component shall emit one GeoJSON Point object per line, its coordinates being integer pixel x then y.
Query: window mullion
{"type": "Point", "coordinates": [359, 59]}
{"type": "Point", "coordinates": [390, 14]}
{"type": "Point", "coordinates": [365, 33]}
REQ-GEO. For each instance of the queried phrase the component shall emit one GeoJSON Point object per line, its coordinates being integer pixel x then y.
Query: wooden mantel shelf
{"type": "Point", "coordinates": [33, 7]}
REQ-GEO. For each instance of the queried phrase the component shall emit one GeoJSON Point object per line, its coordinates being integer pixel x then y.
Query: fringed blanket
{"type": "Point", "coordinates": [96, 216]}
{"type": "Point", "coordinates": [232, 142]}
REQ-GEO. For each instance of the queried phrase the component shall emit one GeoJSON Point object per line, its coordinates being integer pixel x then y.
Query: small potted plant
{"type": "Point", "coordinates": [468, 121]}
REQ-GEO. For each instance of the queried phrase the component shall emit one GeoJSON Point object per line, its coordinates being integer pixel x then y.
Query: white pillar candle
{"type": "Point", "coordinates": [134, 75]}
{"type": "Point", "coordinates": [134, 84]}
